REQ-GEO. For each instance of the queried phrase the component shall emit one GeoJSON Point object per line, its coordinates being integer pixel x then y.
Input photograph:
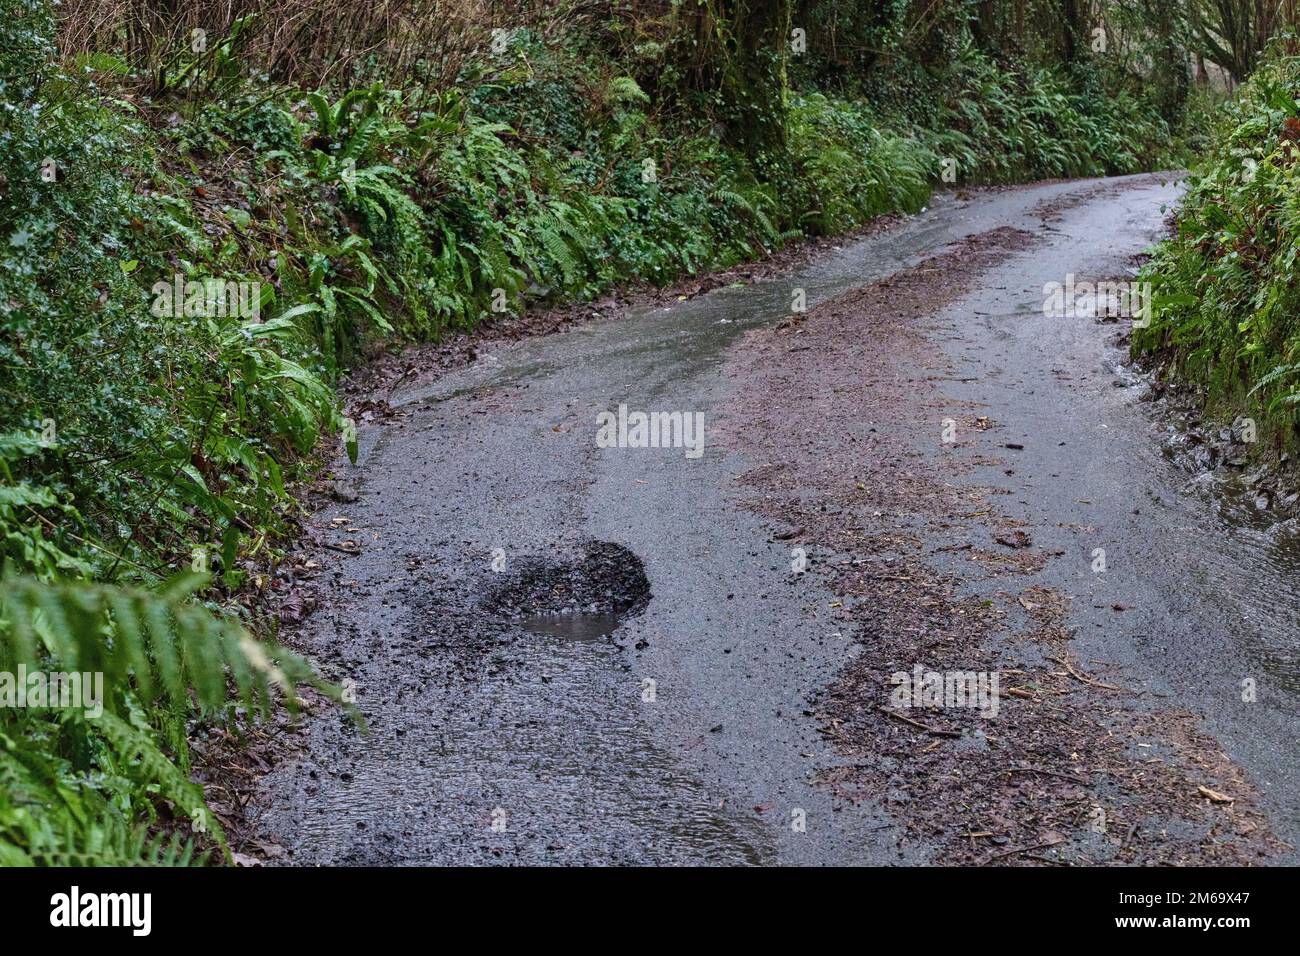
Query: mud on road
{"type": "Point", "coordinates": [569, 653]}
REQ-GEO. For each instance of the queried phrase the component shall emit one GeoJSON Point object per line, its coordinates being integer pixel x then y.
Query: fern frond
{"type": "Point", "coordinates": [159, 644]}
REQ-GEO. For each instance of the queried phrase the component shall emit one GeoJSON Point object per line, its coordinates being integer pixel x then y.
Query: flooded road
{"type": "Point", "coordinates": [570, 653]}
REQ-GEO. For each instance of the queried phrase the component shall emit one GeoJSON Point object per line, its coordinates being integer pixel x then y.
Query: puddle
{"type": "Point", "coordinates": [572, 627]}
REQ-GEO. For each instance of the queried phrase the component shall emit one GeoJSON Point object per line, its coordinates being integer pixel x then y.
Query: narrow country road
{"type": "Point", "coordinates": [582, 654]}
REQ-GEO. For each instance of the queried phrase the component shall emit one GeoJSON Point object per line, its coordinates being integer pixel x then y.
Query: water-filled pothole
{"type": "Point", "coordinates": [572, 627]}
{"type": "Point", "coordinates": [583, 597]}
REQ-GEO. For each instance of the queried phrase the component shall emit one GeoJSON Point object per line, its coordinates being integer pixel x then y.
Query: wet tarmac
{"type": "Point", "coordinates": [570, 653]}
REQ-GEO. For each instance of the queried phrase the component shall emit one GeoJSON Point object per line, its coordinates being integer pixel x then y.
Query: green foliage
{"type": "Point", "coordinates": [1002, 126]}
{"type": "Point", "coordinates": [158, 642]}
{"type": "Point", "coordinates": [1226, 299]}
{"type": "Point", "coordinates": [85, 809]}
{"type": "Point", "coordinates": [848, 170]}
{"type": "Point", "coordinates": [78, 774]}
{"type": "Point", "coordinates": [133, 433]}
{"type": "Point", "coordinates": [128, 437]}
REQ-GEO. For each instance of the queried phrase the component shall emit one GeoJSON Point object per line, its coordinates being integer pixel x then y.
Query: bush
{"type": "Point", "coordinates": [1226, 301]}
{"type": "Point", "coordinates": [1003, 126]}
{"type": "Point", "coordinates": [847, 170]}
{"type": "Point", "coordinates": [126, 440]}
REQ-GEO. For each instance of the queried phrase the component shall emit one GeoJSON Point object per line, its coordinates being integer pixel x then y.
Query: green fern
{"type": "Point", "coordinates": [49, 817]}
{"type": "Point", "coordinates": [160, 644]}
{"type": "Point", "coordinates": [155, 649]}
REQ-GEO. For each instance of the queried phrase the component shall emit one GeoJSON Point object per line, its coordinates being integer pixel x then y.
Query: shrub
{"type": "Point", "coordinates": [1225, 293]}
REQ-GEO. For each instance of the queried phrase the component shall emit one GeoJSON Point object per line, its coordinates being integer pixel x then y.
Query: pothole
{"type": "Point", "coordinates": [579, 626]}
{"type": "Point", "coordinates": [584, 598]}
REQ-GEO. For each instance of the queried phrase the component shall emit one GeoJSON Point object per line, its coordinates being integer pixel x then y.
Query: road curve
{"type": "Point", "coordinates": [694, 710]}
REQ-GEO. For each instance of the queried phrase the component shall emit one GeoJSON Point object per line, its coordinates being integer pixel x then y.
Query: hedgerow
{"type": "Point", "coordinates": [1226, 299]}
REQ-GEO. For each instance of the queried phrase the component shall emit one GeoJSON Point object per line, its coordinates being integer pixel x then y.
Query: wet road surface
{"type": "Point", "coordinates": [671, 721]}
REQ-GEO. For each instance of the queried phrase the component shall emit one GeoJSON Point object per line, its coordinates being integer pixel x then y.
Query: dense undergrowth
{"type": "Point", "coordinates": [152, 425]}
{"type": "Point", "coordinates": [1226, 297]}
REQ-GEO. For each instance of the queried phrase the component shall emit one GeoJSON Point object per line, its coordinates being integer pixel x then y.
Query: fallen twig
{"type": "Point", "coordinates": [937, 731]}
{"type": "Point", "coordinates": [1050, 773]}
{"type": "Point", "coordinates": [1019, 849]}
{"type": "Point", "coordinates": [1064, 662]}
